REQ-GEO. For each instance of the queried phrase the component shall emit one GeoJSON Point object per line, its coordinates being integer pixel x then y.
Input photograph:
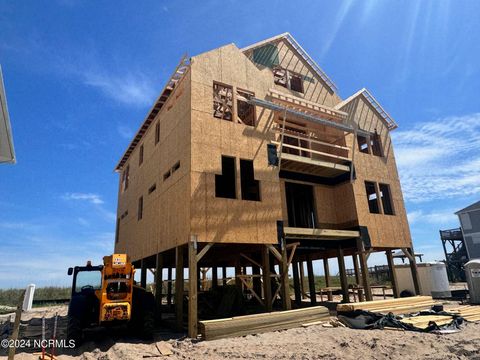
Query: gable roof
{"type": "Point", "coordinates": [474, 206]}
{"type": "Point", "coordinates": [7, 152]}
{"type": "Point", "coordinates": [300, 51]}
{"type": "Point", "coordinates": [391, 124]}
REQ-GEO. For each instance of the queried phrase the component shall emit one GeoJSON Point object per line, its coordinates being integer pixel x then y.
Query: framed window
{"type": "Point", "coordinates": [296, 82]}
{"type": "Point", "coordinates": [225, 184]}
{"type": "Point", "coordinates": [376, 144]}
{"type": "Point", "coordinates": [140, 155]}
{"type": "Point", "coordinates": [245, 111]}
{"type": "Point", "coordinates": [372, 197]}
{"type": "Point", "coordinates": [125, 178]}
{"type": "Point", "coordinates": [363, 144]}
{"type": "Point", "coordinates": [249, 186]}
{"type": "Point", "coordinates": [157, 133]}
{"type": "Point", "coordinates": [386, 197]}
{"type": "Point", "coordinates": [140, 208]}
{"type": "Point", "coordinates": [222, 101]}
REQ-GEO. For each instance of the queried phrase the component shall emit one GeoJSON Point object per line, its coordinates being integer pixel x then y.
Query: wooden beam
{"type": "Point", "coordinates": [192, 289]}
{"type": "Point", "coordinates": [169, 286]}
{"type": "Point", "coordinates": [393, 274]}
{"type": "Point", "coordinates": [257, 282]}
{"type": "Point", "coordinates": [159, 284]}
{"type": "Point", "coordinates": [214, 277]}
{"type": "Point", "coordinates": [250, 259]}
{"type": "Point", "coordinates": [413, 269]}
{"type": "Point", "coordinates": [16, 327]}
{"type": "Point", "coordinates": [364, 267]}
{"type": "Point", "coordinates": [343, 275]}
{"type": "Point", "coordinates": [267, 282]}
{"type": "Point", "coordinates": [325, 233]}
{"type": "Point", "coordinates": [358, 277]}
{"type": "Point", "coordinates": [275, 253]}
{"type": "Point", "coordinates": [311, 281]}
{"type": "Point", "coordinates": [179, 287]}
{"type": "Point", "coordinates": [285, 284]}
{"type": "Point", "coordinates": [296, 283]}
{"type": "Point", "coordinates": [202, 252]}
{"type": "Point", "coordinates": [326, 270]}
{"type": "Point", "coordinates": [302, 278]}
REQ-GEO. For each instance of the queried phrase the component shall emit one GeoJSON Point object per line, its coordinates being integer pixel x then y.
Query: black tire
{"type": "Point", "coordinates": [74, 330]}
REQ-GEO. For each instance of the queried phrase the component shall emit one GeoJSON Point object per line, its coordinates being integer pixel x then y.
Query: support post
{"type": "Point", "coordinates": [224, 275]}
{"type": "Point", "coordinates": [302, 279]}
{"type": "Point", "coordinates": [357, 276]}
{"type": "Point", "coordinates": [326, 270]}
{"type": "Point", "coordinates": [343, 275]}
{"type": "Point", "coordinates": [296, 284]}
{"type": "Point", "coordinates": [192, 288]}
{"type": "Point", "coordinates": [169, 287]}
{"type": "Point", "coordinates": [364, 267]}
{"type": "Point", "coordinates": [286, 301]}
{"type": "Point", "coordinates": [179, 287]}
{"type": "Point", "coordinates": [311, 281]}
{"type": "Point", "coordinates": [214, 277]}
{"type": "Point", "coordinates": [393, 274]}
{"type": "Point", "coordinates": [267, 284]}
{"type": "Point", "coordinates": [143, 274]}
{"type": "Point", "coordinates": [159, 284]}
{"type": "Point", "coordinates": [413, 269]}
{"type": "Point", "coordinates": [238, 272]}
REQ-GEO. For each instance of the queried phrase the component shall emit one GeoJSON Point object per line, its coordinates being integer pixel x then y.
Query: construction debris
{"type": "Point", "coordinates": [467, 312]}
{"type": "Point", "coordinates": [258, 323]}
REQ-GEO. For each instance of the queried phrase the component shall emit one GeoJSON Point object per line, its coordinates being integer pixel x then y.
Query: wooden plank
{"type": "Point", "coordinates": [179, 287]}
{"type": "Point", "coordinates": [275, 252]}
{"type": "Point", "coordinates": [202, 252]}
{"type": "Point", "coordinates": [384, 304]}
{"type": "Point", "coordinates": [308, 150]}
{"type": "Point", "coordinates": [285, 284]}
{"type": "Point", "coordinates": [413, 269]}
{"type": "Point", "coordinates": [364, 267]}
{"type": "Point", "coordinates": [296, 284]}
{"type": "Point", "coordinates": [329, 233]}
{"type": "Point", "coordinates": [192, 289]}
{"type": "Point", "coordinates": [258, 323]}
{"type": "Point", "coordinates": [316, 162]}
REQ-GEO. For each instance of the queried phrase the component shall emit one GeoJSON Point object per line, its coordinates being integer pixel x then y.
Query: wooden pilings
{"type": "Point", "coordinates": [343, 275]}
{"type": "Point", "coordinates": [311, 281]}
{"type": "Point", "coordinates": [192, 288]}
{"type": "Point", "coordinates": [159, 284]}
{"type": "Point", "coordinates": [326, 270]}
{"type": "Point", "coordinates": [296, 283]}
{"type": "Point", "coordinates": [179, 287]}
{"type": "Point", "coordinates": [364, 267]}
{"type": "Point", "coordinates": [267, 283]}
{"type": "Point", "coordinates": [143, 274]}
{"type": "Point", "coordinates": [393, 274]}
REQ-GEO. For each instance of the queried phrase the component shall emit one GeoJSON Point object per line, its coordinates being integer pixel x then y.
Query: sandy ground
{"type": "Point", "coordinates": [314, 342]}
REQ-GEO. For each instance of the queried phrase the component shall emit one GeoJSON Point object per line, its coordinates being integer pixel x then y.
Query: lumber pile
{"type": "Point", "coordinates": [422, 322]}
{"type": "Point", "coordinates": [468, 312]}
{"type": "Point", "coordinates": [258, 323]}
{"type": "Point", "coordinates": [394, 306]}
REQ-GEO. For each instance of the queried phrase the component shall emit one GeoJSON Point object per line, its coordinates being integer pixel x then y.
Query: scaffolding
{"type": "Point", "coordinates": [455, 253]}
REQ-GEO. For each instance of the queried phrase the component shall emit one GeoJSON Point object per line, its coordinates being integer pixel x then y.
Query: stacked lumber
{"type": "Point", "coordinates": [394, 306]}
{"type": "Point", "coordinates": [423, 321]}
{"type": "Point", "coordinates": [258, 323]}
{"type": "Point", "coordinates": [468, 312]}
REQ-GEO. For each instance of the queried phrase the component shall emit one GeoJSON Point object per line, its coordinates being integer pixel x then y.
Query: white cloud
{"type": "Point", "coordinates": [433, 218]}
{"type": "Point", "coordinates": [125, 132]}
{"type": "Point", "coordinates": [440, 159]}
{"type": "Point", "coordinates": [131, 89]}
{"type": "Point", "coordinates": [89, 197]}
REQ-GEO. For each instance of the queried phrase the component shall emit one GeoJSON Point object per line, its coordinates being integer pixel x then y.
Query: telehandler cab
{"type": "Point", "coordinates": [105, 295]}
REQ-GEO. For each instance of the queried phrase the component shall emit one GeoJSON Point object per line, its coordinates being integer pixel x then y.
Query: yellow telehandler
{"type": "Point", "coordinates": [106, 295]}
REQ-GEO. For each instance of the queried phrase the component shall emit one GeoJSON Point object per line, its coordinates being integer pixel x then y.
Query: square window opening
{"type": "Point", "coordinates": [363, 144]}
{"type": "Point", "coordinates": [376, 145]}
{"type": "Point", "coordinates": [296, 83]}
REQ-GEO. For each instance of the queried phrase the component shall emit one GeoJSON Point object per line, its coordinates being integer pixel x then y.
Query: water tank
{"type": "Point", "coordinates": [472, 272]}
{"type": "Point", "coordinates": [438, 274]}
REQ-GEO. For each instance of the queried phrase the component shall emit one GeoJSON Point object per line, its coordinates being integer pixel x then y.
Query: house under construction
{"type": "Point", "coordinates": [249, 159]}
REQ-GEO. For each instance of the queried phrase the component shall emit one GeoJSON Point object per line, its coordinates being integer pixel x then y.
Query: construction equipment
{"type": "Point", "coordinates": [105, 295]}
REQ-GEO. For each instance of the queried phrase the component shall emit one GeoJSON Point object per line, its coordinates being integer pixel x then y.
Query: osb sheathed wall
{"type": "Point", "coordinates": [166, 211]}
{"type": "Point", "coordinates": [384, 230]}
{"type": "Point", "coordinates": [230, 220]}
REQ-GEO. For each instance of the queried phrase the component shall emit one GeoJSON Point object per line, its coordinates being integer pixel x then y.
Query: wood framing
{"type": "Point", "coordinates": [253, 150]}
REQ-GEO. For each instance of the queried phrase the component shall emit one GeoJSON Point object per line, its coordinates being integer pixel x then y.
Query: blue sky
{"type": "Point", "coordinates": [80, 77]}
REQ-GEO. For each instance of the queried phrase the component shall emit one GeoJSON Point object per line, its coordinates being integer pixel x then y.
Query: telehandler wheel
{"type": "Point", "coordinates": [74, 330]}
